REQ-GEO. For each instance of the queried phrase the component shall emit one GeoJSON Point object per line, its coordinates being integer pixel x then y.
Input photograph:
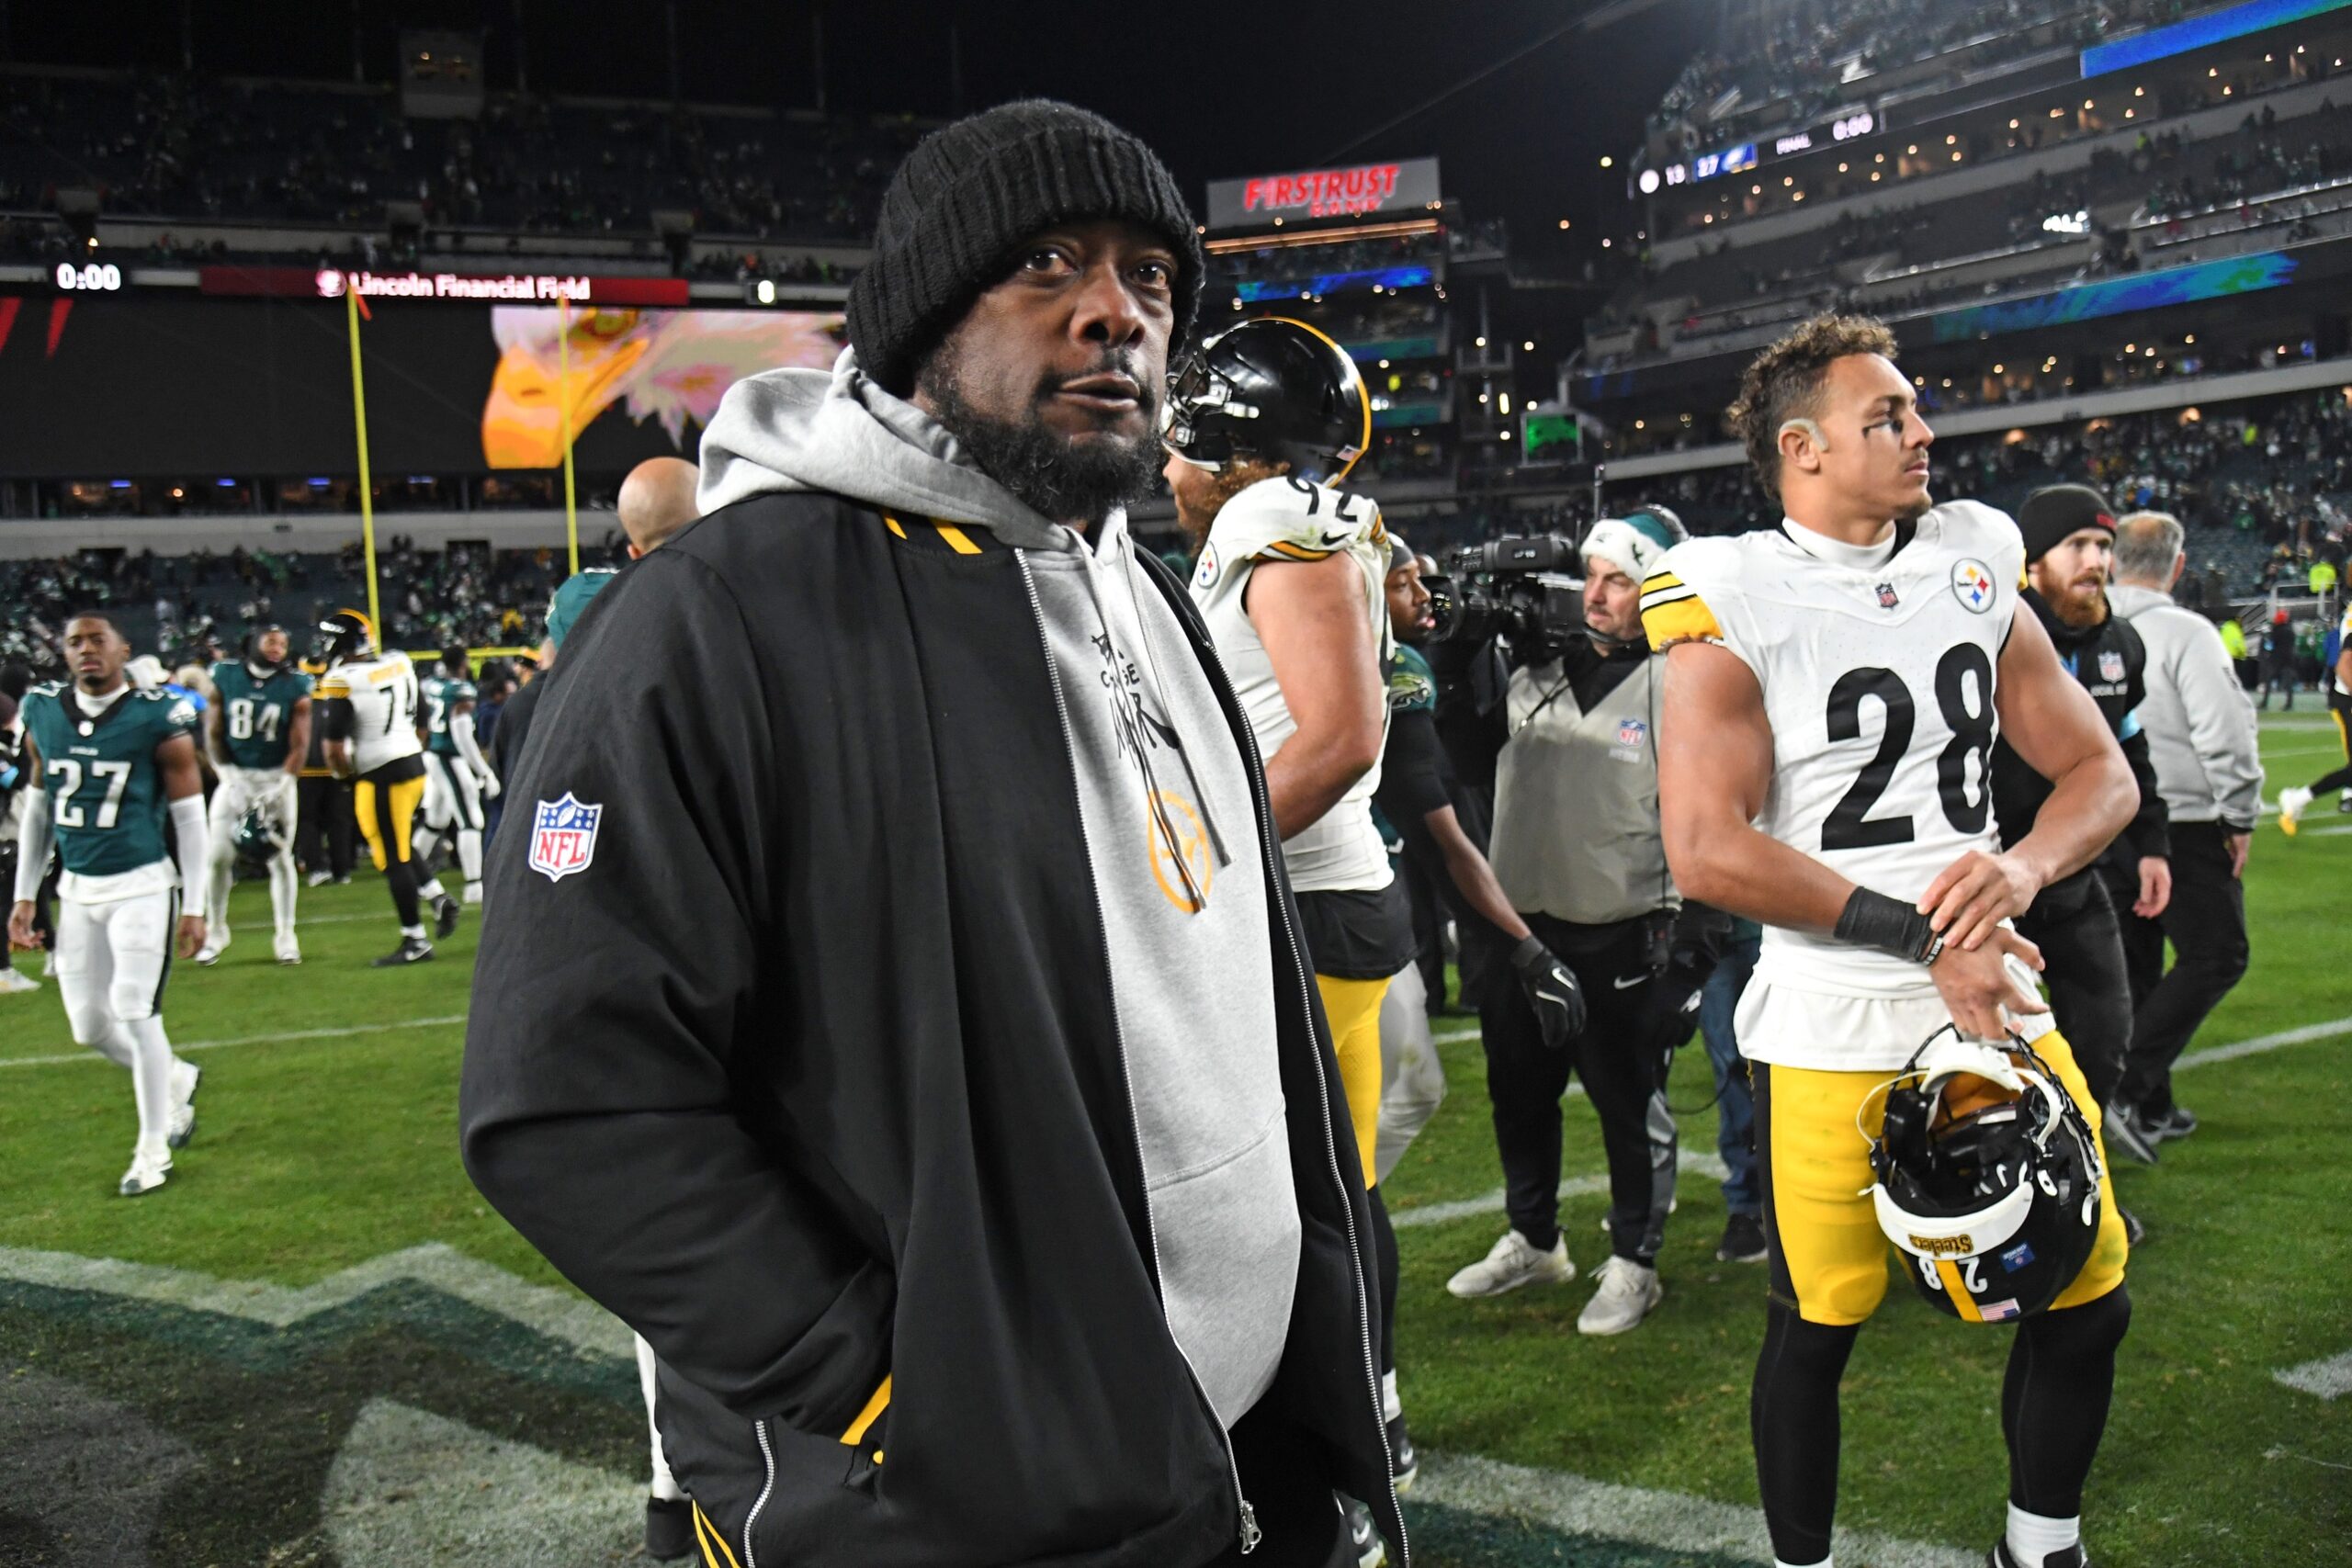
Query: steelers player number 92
{"type": "Point", "coordinates": [1968, 712]}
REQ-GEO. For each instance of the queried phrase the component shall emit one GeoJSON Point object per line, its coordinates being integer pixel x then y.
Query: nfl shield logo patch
{"type": "Point", "coordinates": [563, 836]}
{"type": "Point", "coordinates": [1886, 600]}
{"type": "Point", "coordinates": [1632, 731]}
{"type": "Point", "coordinates": [2110, 665]}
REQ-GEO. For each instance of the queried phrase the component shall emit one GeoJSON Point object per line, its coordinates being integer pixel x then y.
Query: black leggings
{"type": "Point", "coordinates": [2342, 777]}
{"type": "Point", "coordinates": [1385, 1265]}
{"type": "Point", "coordinates": [2053, 1410]}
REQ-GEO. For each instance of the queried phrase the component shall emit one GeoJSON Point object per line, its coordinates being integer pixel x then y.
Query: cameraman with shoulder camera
{"type": "Point", "coordinates": [1577, 849]}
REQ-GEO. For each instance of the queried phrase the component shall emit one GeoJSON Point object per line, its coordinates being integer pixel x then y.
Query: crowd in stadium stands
{"type": "Point", "coordinates": [1805, 54]}
{"type": "Point", "coordinates": [2252, 188]}
{"type": "Point", "coordinates": [1883, 174]}
{"type": "Point", "coordinates": [175, 146]}
{"type": "Point", "coordinates": [177, 605]}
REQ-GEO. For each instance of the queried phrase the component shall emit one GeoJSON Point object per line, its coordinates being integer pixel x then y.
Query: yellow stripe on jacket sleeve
{"type": "Point", "coordinates": [1283, 549]}
{"type": "Point", "coordinates": [874, 1405]}
{"type": "Point", "coordinates": [1683, 618]}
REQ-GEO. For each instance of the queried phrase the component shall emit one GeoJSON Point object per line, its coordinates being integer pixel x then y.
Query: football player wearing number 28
{"type": "Point", "coordinates": [1834, 688]}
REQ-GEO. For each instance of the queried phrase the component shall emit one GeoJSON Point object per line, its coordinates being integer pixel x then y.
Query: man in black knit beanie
{"type": "Point", "coordinates": [910, 1037]}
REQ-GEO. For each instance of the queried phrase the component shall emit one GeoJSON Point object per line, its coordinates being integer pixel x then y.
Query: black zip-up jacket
{"type": "Point", "coordinates": [816, 1083]}
{"type": "Point", "coordinates": [2112, 663]}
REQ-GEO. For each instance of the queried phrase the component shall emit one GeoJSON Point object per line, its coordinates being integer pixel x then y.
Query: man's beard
{"type": "Point", "coordinates": [2081, 604]}
{"type": "Point", "coordinates": [1055, 477]}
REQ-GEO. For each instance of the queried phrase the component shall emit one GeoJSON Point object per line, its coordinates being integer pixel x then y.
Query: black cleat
{"type": "Point", "coordinates": [669, 1529]}
{"type": "Point", "coordinates": [1403, 1464]}
{"type": "Point", "coordinates": [446, 912]}
{"type": "Point", "coordinates": [1743, 1240]}
{"type": "Point", "coordinates": [2176, 1122]}
{"type": "Point", "coordinates": [411, 949]}
{"type": "Point", "coordinates": [2132, 1229]}
{"type": "Point", "coordinates": [1364, 1541]}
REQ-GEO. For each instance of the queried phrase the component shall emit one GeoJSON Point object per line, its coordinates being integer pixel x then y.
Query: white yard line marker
{"type": "Point", "coordinates": [1575, 1187]}
{"type": "Point", "coordinates": [183, 1047]}
{"type": "Point", "coordinates": [2329, 1377]}
{"type": "Point", "coordinates": [1671, 1521]}
{"type": "Point", "coordinates": [2262, 1043]}
{"type": "Point", "coordinates": [585, 1327]}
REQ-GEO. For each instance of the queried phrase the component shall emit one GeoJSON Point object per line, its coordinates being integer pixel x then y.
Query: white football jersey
{"type": "Point", "coordinates": [1877, 667]}
{"type": "Point", "coordinates": [1286, 519]}
{"type": "Point", "coordinates": [384, 702]}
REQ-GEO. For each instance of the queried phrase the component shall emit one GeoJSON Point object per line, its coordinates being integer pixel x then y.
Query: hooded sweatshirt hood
{"type": "Point", "coordinates": [839, 433]}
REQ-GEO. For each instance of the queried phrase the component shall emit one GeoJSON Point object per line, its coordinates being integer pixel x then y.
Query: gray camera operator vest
{"type": "Point", "coordinates": [1576, 800]}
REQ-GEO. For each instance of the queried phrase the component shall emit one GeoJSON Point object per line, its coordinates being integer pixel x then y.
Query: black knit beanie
{"type": "Point", "coordinates": [972, 192]}
{"type": "Point", "coordinates": [2053, 511]}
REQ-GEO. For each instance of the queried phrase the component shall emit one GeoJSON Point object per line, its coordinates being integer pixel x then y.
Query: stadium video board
{"type": "Point", "coordinates": [2197, 32]}
{"type": "Point", "coordinates": [128, 386]}
{"type": "Point", "coordinates": [1409, 185]}
{"type": "Point", "coordinates": [2116, 296]}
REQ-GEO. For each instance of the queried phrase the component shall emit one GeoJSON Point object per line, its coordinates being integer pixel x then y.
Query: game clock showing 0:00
{"type": "Point", "coordinates": [92, 277]}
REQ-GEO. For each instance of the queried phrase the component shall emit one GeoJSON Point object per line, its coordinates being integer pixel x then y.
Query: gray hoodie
{"type": "Point", "coordinates": [1164, 804]}
{"type": "Point", "coordinates": [2197, 719]}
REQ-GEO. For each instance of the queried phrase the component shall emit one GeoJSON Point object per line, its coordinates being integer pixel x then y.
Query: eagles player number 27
{"type": "Point", "coordinates": [70, 813]}
{"type": "Point", "coordinates": [1850, 826]}
{"type": "Point", "coordinates": [241, 719]}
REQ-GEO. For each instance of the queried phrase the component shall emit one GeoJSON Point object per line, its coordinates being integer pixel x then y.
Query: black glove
{"type": "Point", "coordinates": [1551, 990]}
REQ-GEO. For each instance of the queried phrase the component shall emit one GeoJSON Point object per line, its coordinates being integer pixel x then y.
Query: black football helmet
{"type": "Point", "coordinates": [346, 634]}
{"type": "Point", "coordinates": [1995, 1206]}
{"type": "Point", "coordinates": [1274, 389]}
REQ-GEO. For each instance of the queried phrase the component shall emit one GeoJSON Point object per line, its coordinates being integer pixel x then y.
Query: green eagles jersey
{"type": "Point", "coordinates": [106, 794]}
{"type": "Point", "coordinates": [1411, 683]}
{"type": "Point", "coordinates": [257, 713]}
{"type": "Point", "coordinates": [442, 697]}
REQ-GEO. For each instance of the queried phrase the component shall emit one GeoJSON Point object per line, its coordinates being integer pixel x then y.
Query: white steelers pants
{"type": "Point", "coordinates": [112, 961]}
{"type": "Point", "coordinates": [452, 795]}
{"type": "Point", "coordinates": [276, 792]}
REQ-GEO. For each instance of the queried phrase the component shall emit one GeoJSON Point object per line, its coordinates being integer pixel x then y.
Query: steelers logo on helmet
{"type": "Point", "coordinates": [1987, 1179]}
{"type": "Point", "coordinates": [1274, 389]}
{"type": "Point", "coordinates": [346, 634]}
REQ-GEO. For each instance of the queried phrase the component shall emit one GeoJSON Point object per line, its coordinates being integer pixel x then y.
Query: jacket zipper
{"type": "Point", "coordinates": [767, 1454]}
{"type": "Point", "coordinates": [1250, 1533]}
{"type": "Point", "coordinates": [1267, 841]}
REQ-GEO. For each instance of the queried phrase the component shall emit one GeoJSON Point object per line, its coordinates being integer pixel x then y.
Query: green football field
{"type": "Point", "coordinates": [317, 1345]}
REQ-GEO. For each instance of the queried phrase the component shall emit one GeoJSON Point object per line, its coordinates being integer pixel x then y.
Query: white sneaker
{"type": "Point", "coordinates": [1628, 1291]}
{"type": "Point", "coordinates": [288, 949]}
{"type": "Point", "coordinates": [473, 892]}
{"type": "Point", "coordinates": [13, 984]}
{"type": "Point", "coordinates": [210, 953]}
{"type": "Point", "coordinates": [320, 878]}
{"type": "Point", "coordinates": [49, 963]}
{"type": "Point", "coordinates": [1511, 1263]}
{"type": "Point", "coordinates": [184, 1076]}
{"type": "Point", "coordinates": [2291, 807]}
{"type": "Point", "coordinates": [150, 1164]}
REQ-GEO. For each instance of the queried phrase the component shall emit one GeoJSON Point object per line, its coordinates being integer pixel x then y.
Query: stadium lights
{"type": "Point", "coordinates": [1607, 162]}
{"type": "Point", "coordinates": [1787, 179]}
{"type": "Point", "coordinates": [2191, 339]}
{"type": "Point", "coordinates": [1948, 141]}
{"type": "Point", "coordinates": [1997, 369]}
{"type": "Point", "coordinates": [1502, 403]}
{"type": "Point", "coordinates": [1604, 244]}
{"type": "Point", "coordinates": [1384, 365]}
{"type": "Point", "coordinates": [2139, 92]}
{"type": "Point", "coordinates": [2212, 71]}
{"type": "Point", "coordinates": [1527, 347]}
{"type": "Point", "coordinates": [1503, 435]}
{"type": "Point", "coordinates": [1873, 176]}
{"type": "Point", "coordinates": [2131, 114]}
{"type": "Point", "coordinates": [1841, 168]}
{"type": "Point", "coordinates": [2013, 124]}
{"type": "Point", "coordinates": [2055, 113]}
{"type": "Point", "coordinates": [1880, 159]}
{"type": "Point", "coordinates": [1912, 150]}
{"type": "Point", "coordinates": [1482, 343]}
{"type": "Point", "coordinates": [2089, 104]}
{"type": "Point", "coordinates": [1564, 222]}
{"type": "Point", "coordinates": [1637, 425]}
